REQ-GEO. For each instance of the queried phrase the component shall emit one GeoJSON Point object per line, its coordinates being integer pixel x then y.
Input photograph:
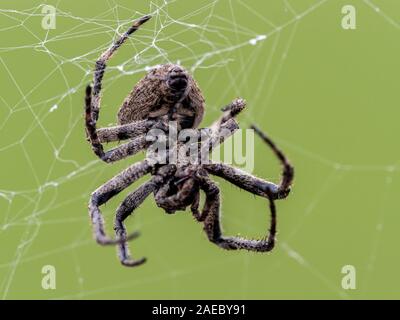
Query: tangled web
{"type": "Point", "coordinates": [47, 168]}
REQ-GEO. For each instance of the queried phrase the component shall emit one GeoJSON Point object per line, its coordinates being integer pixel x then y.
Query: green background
{"type": "Point", "coordinates": [328, 96]}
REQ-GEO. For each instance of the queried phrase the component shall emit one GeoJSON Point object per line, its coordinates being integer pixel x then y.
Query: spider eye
{"type": "Point", "coordinates": [177, 83]}
{"type": "Point", "coordinates": [177, 79]}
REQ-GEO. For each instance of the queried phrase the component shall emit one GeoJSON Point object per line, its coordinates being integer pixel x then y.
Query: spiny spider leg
{"type": "Point", "coordinates": [223, 128]}
{"type": "Point", "coordinates": [254, 184]}
{"type": "Point", "coordinates": [125, 131]}
{"type": "Point", "coordinates": [212, 224]}
{"type": "Point", "coordinates": [109, 190]}
{"type": "Point", "coordinates": [288, 170]}
{"type": "Point", "coordinates": [230, 112]}
{"type": "Point", "coordinates": [217, 137]}
{"type": "Point", "coordinates": [92, 107]}
{"type": "Point", "coordinates": [101, 63]}
{"type": "Point", "coordinates": [118, 153]}
{"type": "Point", "coordinates": [127, 149]}
{"type": "Point", "coordinates": [244, 180]}
{"type": "Point", "coordinates": [195, 207]}
{"type": "Point", "coordinates": [130, 203]}
{"type": "Point", "coordinates": [233, 109]}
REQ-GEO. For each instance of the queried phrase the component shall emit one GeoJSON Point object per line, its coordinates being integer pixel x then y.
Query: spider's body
{"type": "Point", "coordinates": [168, 93]}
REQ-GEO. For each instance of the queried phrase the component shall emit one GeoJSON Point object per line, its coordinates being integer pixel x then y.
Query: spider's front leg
{"type": "Point", "coordinates": [217, 137]}
{"type": "Point", "coordinates": [125, 131]}
{"type": "Point", "coordinates": [212, 225]}
{"type": "Point", "coordinates": [96, 137]}
{"type": "Point", "coordinates": [92, 108]}
{"type": "Point", "coordinates": [222, 129]}
{"type": "Point", "coordinates": [230, 112]}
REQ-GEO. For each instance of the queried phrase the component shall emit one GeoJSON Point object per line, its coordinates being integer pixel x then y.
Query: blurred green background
{"type": "Point", "coordinates": [328, 96]}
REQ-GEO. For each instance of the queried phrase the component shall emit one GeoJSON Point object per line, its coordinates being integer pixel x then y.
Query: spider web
{"type": "Point", "coordinates": [242, 47]}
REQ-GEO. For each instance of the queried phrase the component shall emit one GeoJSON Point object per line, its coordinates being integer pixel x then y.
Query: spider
{"type": "Point", "coordinates": [168, 92]}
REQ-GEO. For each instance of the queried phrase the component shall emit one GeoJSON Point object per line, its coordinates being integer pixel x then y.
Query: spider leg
{"type": "Point", "coordinates": [288, 170]}
{"type": "Point", "coordinates": [127, 149]}
{"type": "Point", "coordinates": [195, 207]}
{"type": "Point", "coordinates": [223, 128]}
{"type": "Point", "coordinates": [246, 181]}
{"type": "Point", "coordinates": [130, 203]}
{"type": "Point", "coordinates": [217, 137]}
{"type": "Point", "coordinates": [230, 112]}
{"type": "Point", "coordinates": [254, 184]}
{"type": "Point", "coordinates": [109, 190]}
{"type": "Point", "coordinates": [92, 104]}
{"type": "Point", "coordinates": [126, 131]}
{"type": "Point", "coordinates": [119, 152]}
{"type": "Point", "coordinates": [212, 224]}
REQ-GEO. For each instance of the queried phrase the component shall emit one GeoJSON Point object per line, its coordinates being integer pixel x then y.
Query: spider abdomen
{"type": "Point", "coordinates": [166, 90]}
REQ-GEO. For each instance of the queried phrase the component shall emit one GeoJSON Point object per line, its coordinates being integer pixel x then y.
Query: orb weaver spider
{"type": "Point", "coordinates": [169, 93]}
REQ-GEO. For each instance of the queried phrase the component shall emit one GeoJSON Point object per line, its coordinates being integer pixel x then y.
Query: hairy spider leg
{"type": "Point", "coordinates": [92, 108]}
{"type": "Point", "coordinates": [212, 224]}
{"type": "Point", "coordinates": [128, 205]}
{"type": "Point", "coordinates": [288, 170]}
{"type": "Point", "coordinates": [109, 190]}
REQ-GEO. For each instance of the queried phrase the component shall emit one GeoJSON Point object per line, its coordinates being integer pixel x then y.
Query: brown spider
{"type": "Point", "coordinates": [166, 93]}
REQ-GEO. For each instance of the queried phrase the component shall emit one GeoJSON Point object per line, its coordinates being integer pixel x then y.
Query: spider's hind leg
{"type": "Point", "coordinates": [212, 224]}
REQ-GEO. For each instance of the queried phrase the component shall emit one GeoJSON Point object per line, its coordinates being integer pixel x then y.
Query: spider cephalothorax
{"type": "Point", "coordinates": [169, 94]}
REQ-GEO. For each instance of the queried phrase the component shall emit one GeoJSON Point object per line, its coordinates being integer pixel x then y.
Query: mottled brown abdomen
{"type": "Point", "coordinates": [153, 97]}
